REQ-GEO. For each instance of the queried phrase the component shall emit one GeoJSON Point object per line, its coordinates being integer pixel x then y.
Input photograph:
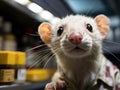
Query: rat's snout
{"type": "Point", "coordinates": [75, 38]}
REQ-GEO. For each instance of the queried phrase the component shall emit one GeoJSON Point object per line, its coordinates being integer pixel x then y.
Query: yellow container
{"type": "Point", "coordinates": [7, 58]}
{"type": "Point", "coordinates": [7, 64]}
{"type": "Point", "coordinates": [35, 75]}
{"type": "Point", "coordinates": [20, 58]}
{"type": "Point", "coordinates": [20, 70]}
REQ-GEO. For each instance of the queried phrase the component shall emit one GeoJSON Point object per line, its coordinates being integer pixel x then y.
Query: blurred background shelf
{"type": "Point", "coordinates": [22, 17]}
{"type": "Point", "coordinates": [18, 13]}
{"type": "Point", "coordinates": [25, 21]}
{"type": "Point", "coordinates": [26, 86]}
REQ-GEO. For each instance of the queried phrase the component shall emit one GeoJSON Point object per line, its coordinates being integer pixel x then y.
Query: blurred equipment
{"type": "Point", "coordinates": [1, 33]}
{"type": "Point", "coordinates": [10, 43]}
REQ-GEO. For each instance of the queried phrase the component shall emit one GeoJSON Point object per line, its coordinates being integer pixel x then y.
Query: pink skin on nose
{"type": "Point", "coordinates": [75, 38]}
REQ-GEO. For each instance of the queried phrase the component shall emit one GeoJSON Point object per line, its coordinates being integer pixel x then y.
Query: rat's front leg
{"type": "Point", "coordinates": [58, 82]}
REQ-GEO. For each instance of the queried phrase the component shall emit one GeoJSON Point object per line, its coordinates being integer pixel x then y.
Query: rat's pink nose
{"type": "Point", "coordinates": [75, 38]}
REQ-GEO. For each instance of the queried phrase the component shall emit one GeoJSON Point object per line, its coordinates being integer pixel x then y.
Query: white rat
{"type": "Point", "coordinates": [76, 42]}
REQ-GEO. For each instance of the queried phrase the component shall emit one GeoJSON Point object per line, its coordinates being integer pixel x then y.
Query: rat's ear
{"type": "Point", "coordinates": [44, 30]}
{"type": "Point", "coordinates": [103, 24]}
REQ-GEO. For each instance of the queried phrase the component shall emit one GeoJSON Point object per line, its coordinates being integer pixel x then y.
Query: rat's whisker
{"type": "Point", "coordinates": [44, 56]}
{"type": "Point", "coordinates": [35, 47]}
{"type": "Point", "coordinates": [108, 41]}
{"type": "Point", "coordinates": [30, 34]}
{"type": "Point", "coordinates": [43, 50]}
{"type": "Point", "coordinates": [52, 56]}
{"type": "Point", "coordinates": [35, 59]}
{"type": "Point", "coordinates": [40, 42]}
{"type": "Point", "coordinates": [40, 58]}
{"type": "Point", "coordinates": [41, 55]}
{"type": "Point", "coordinates": [38, 52]}
{"type": "Point", "coordinates": [112, 54]}
{"type": "Point", "coordinates": [35, 54]}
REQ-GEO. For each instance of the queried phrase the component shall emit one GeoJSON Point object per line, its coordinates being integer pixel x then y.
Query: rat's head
{"type": "Point", "coordinates": [75, 36]}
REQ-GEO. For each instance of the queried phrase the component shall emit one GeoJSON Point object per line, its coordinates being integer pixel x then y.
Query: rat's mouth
{"type": "Point", "coordinates": [75, 51]}
{"type": "Point", "coordinates": [78, 49]}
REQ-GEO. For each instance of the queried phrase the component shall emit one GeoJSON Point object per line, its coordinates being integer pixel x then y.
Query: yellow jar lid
{"type": "Point", "coordinates": [7, 58]}
{"type": "Point", "coordinates": [20, 58]}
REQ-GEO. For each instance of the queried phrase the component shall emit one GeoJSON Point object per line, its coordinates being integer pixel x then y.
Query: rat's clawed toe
{"type": "Point", "coordinates": [59, 85]}
{"type": "Point", "coordinates": [49, 86]}
{"type": "Point", "coordinates": [56, 86]}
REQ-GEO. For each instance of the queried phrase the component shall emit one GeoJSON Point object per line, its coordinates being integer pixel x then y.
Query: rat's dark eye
{"type": "Point", "coordinates": [60, 30]}
{"type": "Point", "coordinates": [89, 27]}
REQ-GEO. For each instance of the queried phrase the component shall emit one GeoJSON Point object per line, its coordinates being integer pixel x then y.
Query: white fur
{"type": "Point", "coordinates": [80, 67]}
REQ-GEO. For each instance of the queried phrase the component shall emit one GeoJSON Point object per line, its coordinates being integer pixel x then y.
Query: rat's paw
{"type": "Point", "coordinates": [61, 85]}
{"type": "Point", "coordinates": [49, 86]}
